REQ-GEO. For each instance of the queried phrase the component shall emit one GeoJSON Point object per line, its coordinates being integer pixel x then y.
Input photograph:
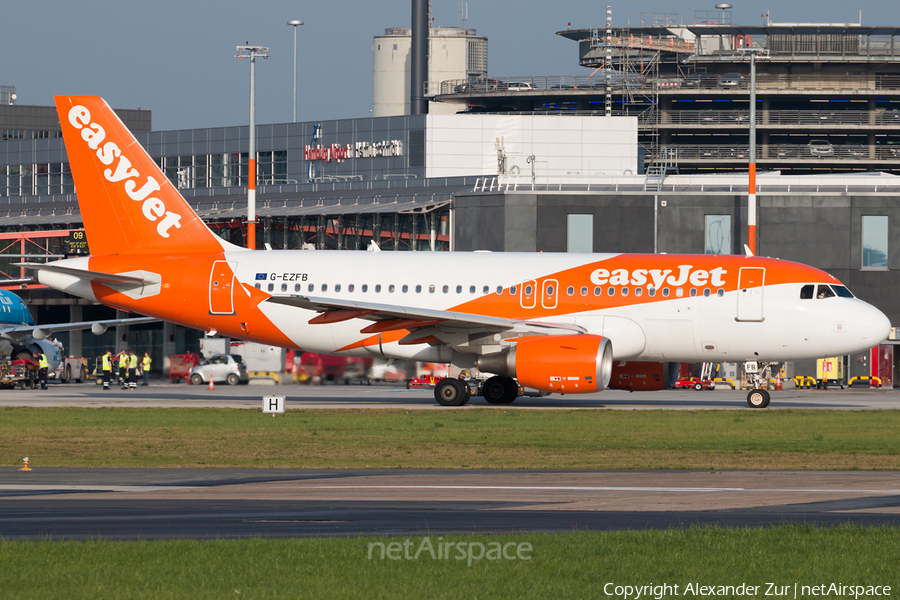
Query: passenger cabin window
{"type": "Point", "coordinates": [283, 287]}
{"type": "Point", "coordinates": [324, 287]}
{"type": "Point", "coordinates": [459, 289]}
{"type": "Point", "coordinates": [296, 287]}
{"type": "Point", "coordinates": [471, 289]}
{"type": "Point", "coordinates": [638, 291]}
{"type": "Point", "coordinates": [337, 287]}
{"type": "Point", "coordinates": [486, 290]}
{"type": "Point", "coordinates": [806, 292]}
{"type": "Point", "coordinates": [377, 288]}
{"type": "Point", "coordinates": [271, 287]}
{"type": "Point", "coordinates": [365, 288]}
{"type": "Point", "coordinates": [824, 291]}
{"type": "Point", "coordinates": [350, 287]}
{"type": "Point", "coordinates": [570, 290]}
{"type": "Point", "coordinates": [311, 287]}
{"type": "Point", "coordinates": [528, 290]}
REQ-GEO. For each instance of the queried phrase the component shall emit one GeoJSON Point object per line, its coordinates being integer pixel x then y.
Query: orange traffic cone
{"type": "Point", "coordinates": [778, 385]}
{"type": "Point", "coordinates": [212, 385]}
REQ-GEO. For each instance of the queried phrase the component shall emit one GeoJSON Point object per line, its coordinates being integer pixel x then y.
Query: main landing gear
{"type": "Point", "coordinates": [452, 392]}
{"type": "Point", "coordinates": [500, 390]}
{"type": "Point", "coordinates": [457, 392]}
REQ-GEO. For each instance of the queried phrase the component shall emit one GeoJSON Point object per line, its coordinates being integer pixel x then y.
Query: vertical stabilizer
{"type": "Point", "coordinates": [128, 206]}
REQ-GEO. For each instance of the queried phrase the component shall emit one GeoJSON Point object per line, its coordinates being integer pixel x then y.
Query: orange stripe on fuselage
{"type": "Point", "coordinates": [641, 270]}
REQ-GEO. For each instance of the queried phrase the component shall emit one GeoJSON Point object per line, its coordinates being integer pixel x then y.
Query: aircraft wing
{"type": "Point", "coordinates": [40, 332]}
{"type": "Point", "coordinates": [465, 332]}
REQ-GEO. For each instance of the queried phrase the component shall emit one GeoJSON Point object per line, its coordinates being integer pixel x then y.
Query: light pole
{"type": "Point", "coordinates": [252, 52]}
{"type": "Point", "coordinates": [295, 23]}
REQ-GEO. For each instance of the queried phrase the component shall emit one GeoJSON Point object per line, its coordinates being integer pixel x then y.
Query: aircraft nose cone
{"type": "Point", "coordinates": [875, 327]}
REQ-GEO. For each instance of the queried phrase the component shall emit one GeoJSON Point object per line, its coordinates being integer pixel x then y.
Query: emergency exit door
{"type": "Point", "coordinates": [221, 288]}
{"type": "Point", "coordinates": [751, 283]}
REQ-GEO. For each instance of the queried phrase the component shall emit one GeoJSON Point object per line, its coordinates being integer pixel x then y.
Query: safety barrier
{"type": "Point", "coordinates": [805, 383]}
{"type": "Point", "coordinates": [869, 381]}
{"type": "Point", "coordinates": [268, 374]}
{"type": "Point", "coordinates": [718, 380]}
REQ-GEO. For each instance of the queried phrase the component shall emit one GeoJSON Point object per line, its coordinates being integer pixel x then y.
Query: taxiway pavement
{"type": "Point", "coordinates": [204, 503]}
{"type": "Point", "coordinates": [386, 396]}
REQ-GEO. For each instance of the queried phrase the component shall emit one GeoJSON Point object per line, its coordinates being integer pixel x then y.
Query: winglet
{"type": "Point", "coordinates": [747, 250]}
{"type": "Point", "coordinates": [128, 206]}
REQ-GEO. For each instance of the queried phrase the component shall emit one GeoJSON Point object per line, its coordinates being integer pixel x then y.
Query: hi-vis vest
{"type": "Point", "coordinates": [146, 363]}
{"type": "Point", "coordinates": [107, 365]}
{"type": "Point", "coordinates": [42, 363]}
{"type": "Point", "coordinates": [123, 360]}
{"type": "Point", "coordinates": [132, 361]}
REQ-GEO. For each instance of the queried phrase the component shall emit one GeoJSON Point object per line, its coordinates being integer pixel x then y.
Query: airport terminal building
{"type": "Point", "coordinates": [540, 169]}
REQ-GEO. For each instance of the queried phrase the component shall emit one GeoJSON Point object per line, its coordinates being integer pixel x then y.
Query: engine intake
{"type": "Point", "coordinates": [568, 364]}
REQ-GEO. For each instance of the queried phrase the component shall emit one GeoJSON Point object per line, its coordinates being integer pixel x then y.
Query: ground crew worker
{"type": "Point", "coordinates": [145, 368]}
{"type": "Point", "coordinates": [123, 366]}
{"type": "Point", "coordinates": [43, 365]}
{"type": "Point", "coordinates": [107, 369]}
{"type": "Point", "coordinates": [132, 370]}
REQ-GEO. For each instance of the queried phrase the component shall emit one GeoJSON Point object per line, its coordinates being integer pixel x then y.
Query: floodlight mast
{"type": "Point", "coordinates": [252, 52]}
{"type": "Point", "coordinates": [294, 24]}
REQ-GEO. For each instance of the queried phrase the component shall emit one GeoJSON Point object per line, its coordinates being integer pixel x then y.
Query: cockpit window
{"type": "Point", "coordinates": [842, 291]}
{"type": "Point", "coordinates": [824, 292]}
{"type": "Point", "coordinates": [806, 292]}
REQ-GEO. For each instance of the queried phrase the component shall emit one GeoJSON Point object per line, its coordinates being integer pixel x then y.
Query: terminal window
{"type": "Point", "coordinates": [580, 233]}
{"type": "Point", "coordinates": [874, 242]}
{"type": "Point", "coordinates": [718, 234]}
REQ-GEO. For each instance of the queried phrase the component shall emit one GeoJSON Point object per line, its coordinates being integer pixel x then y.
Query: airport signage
{"type": "Point", "coordinates": [338, 153]}
{"type": "Point", "coordinates": [273, 404]}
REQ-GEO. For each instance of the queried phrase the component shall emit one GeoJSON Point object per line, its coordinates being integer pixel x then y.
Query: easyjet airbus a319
{"type": "Point", "coordinates": [567, 323]}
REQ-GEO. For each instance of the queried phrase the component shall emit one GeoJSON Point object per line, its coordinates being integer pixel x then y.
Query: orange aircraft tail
{"type": "Point", "coordinates": [128, 206]}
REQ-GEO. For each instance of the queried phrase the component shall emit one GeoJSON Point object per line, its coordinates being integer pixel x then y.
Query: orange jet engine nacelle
{"type": "Point", "coordinates": [566, 364]}
{"type": "Point", "coordinates": [643, 376]}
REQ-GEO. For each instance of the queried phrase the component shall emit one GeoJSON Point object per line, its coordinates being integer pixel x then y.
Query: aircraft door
{"type": "Point", "coordinates": [528, 298]}
{"type": "Point", "coordinates": [549, 291]}
{"type": "Point", "coordinates": [751, 281]}
{"type": "Point", "coordinates": [221, 288]}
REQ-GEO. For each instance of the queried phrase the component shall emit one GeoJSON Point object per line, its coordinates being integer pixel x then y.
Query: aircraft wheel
{"type": "Point", "coordinates": [196, 379]}
{"type": "Point", "coordinates": [758, 398]}
{"type": "Point", "coordinates": [451, 392]}
{"type": "Point", "coordinates": [500, 390]}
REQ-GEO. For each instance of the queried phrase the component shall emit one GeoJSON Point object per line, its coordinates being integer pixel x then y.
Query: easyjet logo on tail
{"type": "Point", "coordinates": [660, 277]}
{"type": "Point", "coordinates": [153, 209]}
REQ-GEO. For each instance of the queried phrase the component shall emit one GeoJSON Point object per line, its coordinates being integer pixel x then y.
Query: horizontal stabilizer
{"type": "Point", "coordinates": [88, 275]}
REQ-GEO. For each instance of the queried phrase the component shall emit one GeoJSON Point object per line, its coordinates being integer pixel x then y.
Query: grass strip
{"type": "Point", "coordinates": [474, 438]}
{"type": "Point", "coordinates": [568, 565]}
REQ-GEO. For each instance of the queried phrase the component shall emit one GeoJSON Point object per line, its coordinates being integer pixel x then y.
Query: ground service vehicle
{"type": "Point", "coordinates": [552, 322]}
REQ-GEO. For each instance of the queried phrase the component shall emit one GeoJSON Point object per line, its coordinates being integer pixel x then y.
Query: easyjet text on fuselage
{"type": "Point", "coordinates": [659, 277]}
